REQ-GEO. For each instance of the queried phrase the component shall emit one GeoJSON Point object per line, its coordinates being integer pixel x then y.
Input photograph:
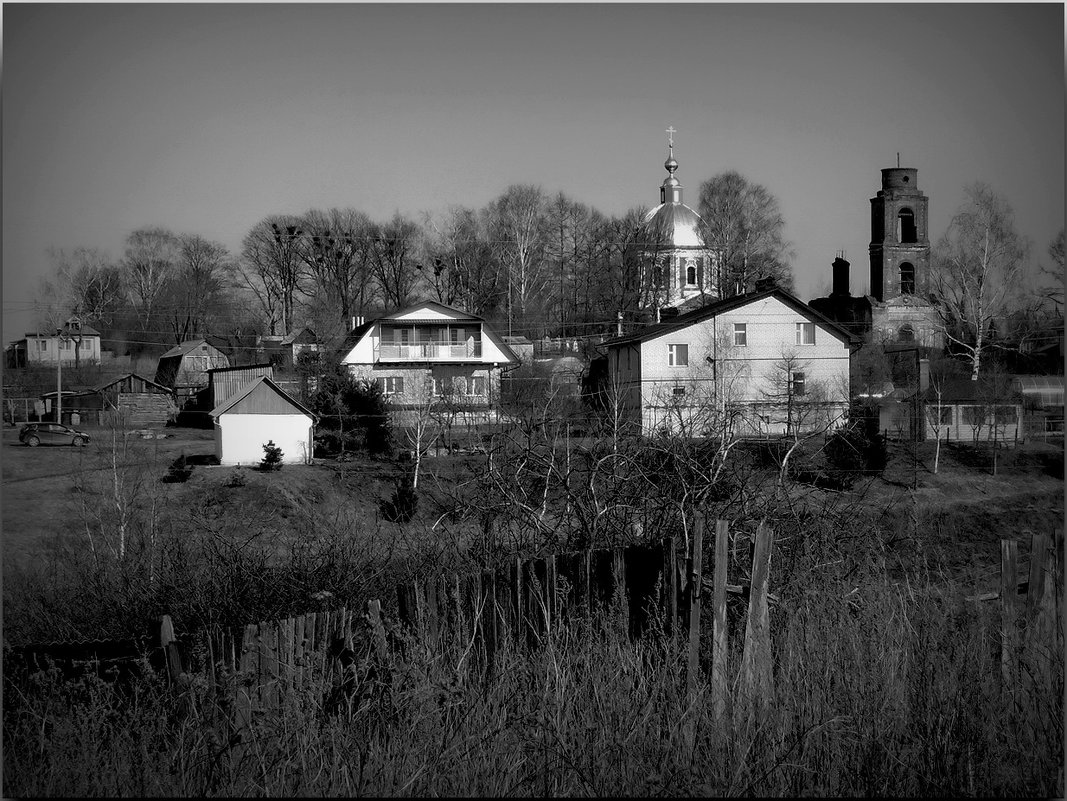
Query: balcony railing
{"type": "Point", "coordinates": [429, 351]}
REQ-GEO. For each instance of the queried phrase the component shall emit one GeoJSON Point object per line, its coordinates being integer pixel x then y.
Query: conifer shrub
{"type": "Point", "coordinates": [179, 471]}
{"type": "Point", "coordinates": [272, 457]}
{"type": "Point", "coordinates": [402, 506]}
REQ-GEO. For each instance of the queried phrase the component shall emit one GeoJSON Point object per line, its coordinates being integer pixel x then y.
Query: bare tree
{"type": "Point", "coordinates": [974, 270]}
{"type": "Point", "coordinates": [744, 223]}
{"type": "Point", "coordinates": [147, 265]}
{"type": "Point", "coordinates": [1053, 274]}
{"type": "Point", "coordinates": [195, 290]}
{"type": "Point", "coordinates": [86, 283]}
{"type": "Point", "coordinates": [396, 245]}
{"type": "Point", "coordinates": [516, 221]}
{"type": "Point", "coordinates": [338, 249]}
{"type": "Point", "coordinates": [459, 263]}
{"type": "Point", "coordinates": [271, 267]}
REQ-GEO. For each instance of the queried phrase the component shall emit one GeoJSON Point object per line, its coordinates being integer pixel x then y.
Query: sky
{"type": "Point", "coordinates": [206, 118]}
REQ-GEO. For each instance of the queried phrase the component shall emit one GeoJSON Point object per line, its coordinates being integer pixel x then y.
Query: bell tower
{"type": "Point", "coordinates": [900, 242]}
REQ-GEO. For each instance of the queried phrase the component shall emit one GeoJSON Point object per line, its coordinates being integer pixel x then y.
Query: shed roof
{"type": "Point", "coordinates": [186, 347]}
{"type": "Point", "coordinates": [263, 391]}
{"type": "Point", "coordinates": [104, 386]}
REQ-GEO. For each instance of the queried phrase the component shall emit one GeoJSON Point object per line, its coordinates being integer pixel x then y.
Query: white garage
{"type": "Point", "coordinates": [261, 412]}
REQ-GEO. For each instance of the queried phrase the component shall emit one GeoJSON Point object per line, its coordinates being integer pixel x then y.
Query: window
{"type": "Point", "coordinates": [476, 386]}
{"type": "Point", "coordinates": [906, 334]}
{"type": "Point", "coordinates": [741, 334]}
{"type": "Point", "coordinates": [907, 278]}
{"type": "Point", "coordinates": [797, 382]}
{"type": "Point", "coordinates": [690, 273]}
{"type": "Point", "coordinates": [973, 415]}
{"type": "Point", "coordinates": [438, 387]}
{"type": "Point", "coordinates": [393, 385]}
{"type": "Point", "coordinates": [42, 345]}
{"type": "Point", "coordinates": [946, 415]}
{"type": "Point", "coordinates": [906, 233]}
{"type": "Point", "coordinates": [677, 355]}
{"type": "Point", "coordinates": [1005, 415]}
{"type": "Point", "coordinates": [805, 333]}
{"type": "Point", "coordinates": [86, 345]}
{"type": "Point", "coordinates": [679, 391]}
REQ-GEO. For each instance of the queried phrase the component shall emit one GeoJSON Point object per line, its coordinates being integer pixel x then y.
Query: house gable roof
{"type": "Point", "coordinates": [261, 384]}
{"type": "Point", "coordinates": [102, 387]}
{"type": "Point", "coordinates": [85, 330]}
{"type": "Point", "coordinates": [186, 347]}
{"type": "Point", "coordinates": [720, 307]}
{"type": "Point", "coordinates": [964, 390]}
{"type": "Point", "coordinates": [410, 315]}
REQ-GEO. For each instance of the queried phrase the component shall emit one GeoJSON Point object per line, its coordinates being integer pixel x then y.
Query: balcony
{"type": "Point", "coordinates": [428, 351]}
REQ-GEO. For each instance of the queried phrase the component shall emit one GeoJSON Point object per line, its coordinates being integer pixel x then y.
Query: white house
{"type": "Point", "coordinates": [260, 412]}
{"type": "Point", "coordinates": [760, 364]}
{"type": "Point", "coordinates": [430, 352]}
{"type": "Point", "coordinates": [75, 343]}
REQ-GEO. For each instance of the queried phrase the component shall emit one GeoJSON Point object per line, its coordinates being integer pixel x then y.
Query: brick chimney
{"type": "Point", "coordinates": [840, 276]}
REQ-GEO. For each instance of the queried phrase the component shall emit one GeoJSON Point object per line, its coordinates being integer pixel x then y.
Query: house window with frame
{"type": "Point", "coordinates": [1005, 415]}
{"type": "Point", "coordinates": [805, 333]}
{"type": "Point", "coordinates": [796, 382]}
{"type": "Point", "coordinates": [391, 385]}
{"type": "Point", "coordinates": [973, 415]}
{"type": "Point", "coordinates": [690, 273]}
{"type": "Point", "coordinates": [740, 334]}
{"type": "Point", "coordinates": [679, 391]}
{"type": "Point", "coordinates": [438, 387]}
{"type": "Point", "coordinates": [42, 345]}
{"type": "Point", "coordinates": [476, 386]}
{"type": "Point", "coordinates": [677, 355]}
{"type": "Point", "coordinates": [946, 415]}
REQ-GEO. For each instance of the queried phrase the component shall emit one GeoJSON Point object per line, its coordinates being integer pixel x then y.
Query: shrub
{"type": "Point", "coordinates": [237, 478]}
{"type": "Point", "coordinates": [272, 457]}
{"type": "Point", "coordinates": [179, 471]}
{"type": "Point", "coordinates": [401, 507]}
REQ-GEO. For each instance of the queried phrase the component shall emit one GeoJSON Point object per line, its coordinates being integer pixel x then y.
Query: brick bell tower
{"type": "Point", "coordinates": [900, 242]}
{"type": "Point", "coordinates": [900, 262]}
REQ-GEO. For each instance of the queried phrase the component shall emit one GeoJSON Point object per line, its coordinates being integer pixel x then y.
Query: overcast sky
{"type": "Point", "coordinates": [205, 118]}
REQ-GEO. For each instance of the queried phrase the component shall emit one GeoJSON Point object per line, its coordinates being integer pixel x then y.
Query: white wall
{"type": "Point", "coordinates": [239, 438]}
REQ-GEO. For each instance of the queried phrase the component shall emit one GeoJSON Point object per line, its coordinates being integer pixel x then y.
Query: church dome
{"type": "Point", "coordinates": [676, 223]}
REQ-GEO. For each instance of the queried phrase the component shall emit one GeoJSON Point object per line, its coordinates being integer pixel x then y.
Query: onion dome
{"type": "Point", "coordinates": [675, 222]}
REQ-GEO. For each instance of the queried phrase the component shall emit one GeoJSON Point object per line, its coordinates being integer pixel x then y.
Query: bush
{"type": "Point", "coordinates": [401, 507]}
{"type": "Point", "coordinates": [272, 457]}
{"type": "Point", "coordinates": [237, 478]}
{"type": "Point", "coordinates": [179, 471]}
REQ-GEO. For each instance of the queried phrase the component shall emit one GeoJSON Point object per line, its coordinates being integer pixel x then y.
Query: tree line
{"type": "Point", "coordinates": [533, 263]}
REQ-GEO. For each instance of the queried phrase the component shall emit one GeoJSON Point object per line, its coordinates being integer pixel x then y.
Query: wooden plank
{"type": "Point", "coordinates": [491, 617]}
{"type": "Point", "coordinates": [298, 652]}
{"type": "Point", "coordinates": [167, 641]}
{"type": "Point", "coordinates": [695, 570]}
{"type": "Point", "coordinates": [550, 593]}
{"type": "Point", "coordinates": [247, 686]}
{"type": "Point", "coordinates": [377, 629]}
{"type": "Point", "coordinates": [1009, 611]}
{"type": "Point", "coordinates": [670, 588]}
{"type": "Point", "coordinates": [1039, 543]}
{"type": "Point", "coordinates": [720, 639]}
{"type": "Point", "coordinates": [757, 676]}
{"type": "Point", "coordinates": [268, 664]}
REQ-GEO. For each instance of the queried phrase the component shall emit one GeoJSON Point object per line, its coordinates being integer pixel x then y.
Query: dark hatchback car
{"type": "Point", "coordinates": [36, 434]}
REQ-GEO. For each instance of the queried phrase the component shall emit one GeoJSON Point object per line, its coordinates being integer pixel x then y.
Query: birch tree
{"type": "Point", "coordinates": [147, 265]}
{"type": "Point", "coordinates": [975, 267]}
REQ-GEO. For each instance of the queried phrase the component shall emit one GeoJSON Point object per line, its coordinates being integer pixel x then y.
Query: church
{"type": "Point", "coordinates": [679, 269]}
{"type": "Point", "coordinates": [898, 308]}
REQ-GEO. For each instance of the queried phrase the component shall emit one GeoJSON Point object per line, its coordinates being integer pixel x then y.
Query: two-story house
{"type": "Point", "coordinates": [74, 344]}
{"type": "Point", "coordinates": [431, 353]}
{"type": "Point", "coordinates": [760, 364]}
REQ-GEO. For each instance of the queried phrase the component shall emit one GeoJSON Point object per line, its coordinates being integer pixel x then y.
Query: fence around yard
{"type": "Point", "coordinates": [334, 656]}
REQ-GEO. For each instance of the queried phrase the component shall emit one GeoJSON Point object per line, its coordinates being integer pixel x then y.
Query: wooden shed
{"type": "Point", "coordinates": [137, 401]}
{"type": "Point", "coordinates": [261, 412]}
{"type": "Point", "coordinates": [184, 368]}
{"type": "Point", "coordinates": [224, 382]}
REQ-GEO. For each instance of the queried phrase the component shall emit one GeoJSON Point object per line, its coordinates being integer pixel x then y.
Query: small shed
{"type": "Point", "coordinates": [184, 368]}
{"type": "Point", "coordinates": [261, 412]}
{"type": "Point", "coordinates": [986, 410]}
{"type": "Point", "coordinates": [137, 401]}
{"type": "Point", "coordinates": [226, 381]}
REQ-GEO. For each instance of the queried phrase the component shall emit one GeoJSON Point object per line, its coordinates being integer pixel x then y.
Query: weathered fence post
{"type": "Point", "coordinates": [695, 583]}
{"type": "Point", "coordinates": [757, 676]}
{"type": "Point", "coordinates": [1009, 611]}
{"type": "Point", "coordinates": [720, 642]}
{"type": "Point", "coordinates": [670, 588]}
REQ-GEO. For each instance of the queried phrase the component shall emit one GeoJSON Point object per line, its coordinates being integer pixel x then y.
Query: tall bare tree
{"type": "Point", "coordinates": [271, 267]}
{"type": "Point", "coordinates": [1053, 274]}
{"type": "Point", "coordinates": [337, 247]}
{"type": "Point", "coordinates": [516, 221]}
{"type": "Point", "coordinates": [147, 265]}
{"type": "Point", "coordinates": [195, 291]}
{"type": "Point", "coordinates": [86, 283]}
{"type": "Point", "coordinates": [459, 264]}
{"type": "Point", "coordinates": [975, 266]}
{"type": "Point", "coordinates": [744, 222]}
{"type": "Point", "coordinates": [396, 245]}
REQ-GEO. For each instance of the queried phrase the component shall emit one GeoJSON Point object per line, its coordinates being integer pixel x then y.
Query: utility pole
{"type": "Point", "coordinates": [59, 376]}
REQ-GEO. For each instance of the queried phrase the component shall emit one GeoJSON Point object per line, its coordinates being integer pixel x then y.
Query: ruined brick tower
{"type": "Point", "coordinates": [900, 244]}
{"type": "Point", "coordinates": [900, 262]}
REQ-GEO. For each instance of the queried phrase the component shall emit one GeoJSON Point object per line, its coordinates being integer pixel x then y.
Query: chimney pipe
{"type": "Point", "coordinates": [840, 276]}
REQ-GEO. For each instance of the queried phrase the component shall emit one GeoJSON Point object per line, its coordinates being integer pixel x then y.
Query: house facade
{"type": "Point", "coordinates": [986, 410]}
{"type": "Point", "coordinates": [261, 412]}
{"type": "Point", "coordinates": [760, 364]}
{"type": "Point", "coordinates": [429, 353]}
{"type": "Point", "coordinates": [184, 368]}
{"type": "Point", "coordinates": [283, 351]}
{"type": "Point", "coordinates": [74, 344]}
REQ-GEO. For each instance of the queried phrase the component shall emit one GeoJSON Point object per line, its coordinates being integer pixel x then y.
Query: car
{"type": "Point", "coordinates": [35, 434]}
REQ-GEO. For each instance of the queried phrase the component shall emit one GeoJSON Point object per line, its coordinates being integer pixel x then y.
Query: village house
{"type": "Point", "coordinates": [962, 410]}
{"type": "Point", "coordinates": [430, 353]}
{"type": "Point", "coordinates": [760, 364]}
{"type": "Point", "coordinates": [259, 413]}
{"type": "Point", "coordinates": [184, 368]}
{"type": "Point", "coordinates": [74, 344]}
{"type": "Point", "coordinates": [283, 351]}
